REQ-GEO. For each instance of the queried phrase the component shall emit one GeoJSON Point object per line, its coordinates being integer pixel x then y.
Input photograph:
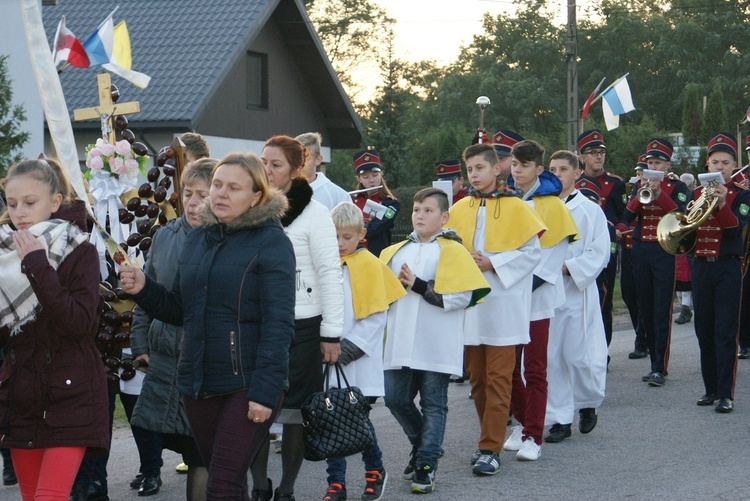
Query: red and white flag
{"type": "Point", "coordinates": [587, 104]}
{"type": "Point", "coordinates": [67, 48]}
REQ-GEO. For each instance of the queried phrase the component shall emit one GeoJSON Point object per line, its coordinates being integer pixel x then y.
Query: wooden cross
{"type": "Point", "coordinates": [107, 110]}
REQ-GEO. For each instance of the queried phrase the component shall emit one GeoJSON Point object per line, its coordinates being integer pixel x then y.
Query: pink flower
{"type": "Point", "coordinates": [95, 152]}
{"type": "Point", "coordinates": [95, 163]}
{"type": "Point", "coordinates": [117, 165]}
{"type": "Point", "coordinates": [107, 149]}
{"type": "Point", "coordinates": [131, 165]}
{"type": "Point", "coordinates": [122, 148]}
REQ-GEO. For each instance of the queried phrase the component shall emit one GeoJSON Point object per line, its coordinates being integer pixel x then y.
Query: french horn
{"type": "Point", "coordinates": [676, 231]}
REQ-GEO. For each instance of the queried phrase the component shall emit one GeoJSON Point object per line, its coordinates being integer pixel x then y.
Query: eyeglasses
{"type": "Point", "coordinates": [596, 153]}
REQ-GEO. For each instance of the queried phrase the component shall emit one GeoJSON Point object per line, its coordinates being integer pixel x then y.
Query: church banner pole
{"type": "Point", "coordinates": [51, 94]}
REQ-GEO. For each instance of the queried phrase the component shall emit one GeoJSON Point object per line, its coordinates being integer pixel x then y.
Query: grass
{"type": "Point", "coordinates": [120, 419]}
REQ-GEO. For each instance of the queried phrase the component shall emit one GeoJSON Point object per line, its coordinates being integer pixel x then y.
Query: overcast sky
{"type": "Point", "coordinates": [436, 29]}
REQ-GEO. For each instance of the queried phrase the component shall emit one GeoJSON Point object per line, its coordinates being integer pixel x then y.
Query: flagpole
{"type": "Point", "coordinates": [593, 101]}
{"type": "Point", "coordinates": [62, 68]}
{"type": "Point", "coordinates": [105, 19]}
{"type": "Point", "coordinates": [597, 98]}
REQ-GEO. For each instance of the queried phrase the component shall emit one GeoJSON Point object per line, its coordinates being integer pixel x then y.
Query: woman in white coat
{"type": "Point", "coordinates": [318, 310]}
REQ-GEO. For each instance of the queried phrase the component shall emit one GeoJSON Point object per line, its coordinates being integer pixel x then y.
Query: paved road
{"type": "Point", "coordinates": [651, 443]}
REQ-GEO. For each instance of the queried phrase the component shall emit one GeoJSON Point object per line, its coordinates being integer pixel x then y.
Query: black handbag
{"type": "Point", "coordinates": [334, 421]}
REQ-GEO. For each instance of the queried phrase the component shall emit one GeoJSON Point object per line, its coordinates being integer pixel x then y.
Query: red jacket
{"type": "Point", "coordinates": [52, 384]}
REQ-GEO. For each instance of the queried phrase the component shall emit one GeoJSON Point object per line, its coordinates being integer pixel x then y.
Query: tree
{"type": "Point", "coordinates": [11, 117]}
{"type": "Point", "coordinates": [715, 119]}
{"type": "Point", "coordinates": [691, 116]}
{"type": "Point", "coordinates": [350, 31]}
{"type": "Point", "coordinates": [387, 128]}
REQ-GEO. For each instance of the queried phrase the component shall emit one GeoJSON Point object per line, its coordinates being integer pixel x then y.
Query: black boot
{"type": "Point", "coordinates": [685, 315]}
{"type": "Point", "coordinates": [9, 474]}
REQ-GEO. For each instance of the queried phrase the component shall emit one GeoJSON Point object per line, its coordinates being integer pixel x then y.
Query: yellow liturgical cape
{"type": "Point", "coordinates": [374, 286]}
{"type": "Point", "coordinates": [456, 272]}
{"type": "Point", "coordinates": [510, 222]}
{"type": "Point", "coordinates": [557, 218]}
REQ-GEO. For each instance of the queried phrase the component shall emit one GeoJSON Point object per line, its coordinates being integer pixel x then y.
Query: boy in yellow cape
{"type": "Point", "coordinates": [369, 289]}
{"type": "Point", "coordinates": [541, 190]}
{"type": "Point", "coordinates": [424, 346]}
{"type": "Point", "coordinates": [502, 234]}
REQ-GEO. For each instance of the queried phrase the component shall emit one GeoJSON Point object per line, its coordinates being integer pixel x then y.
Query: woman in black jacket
{"type": "Point", "coordinates": [234, 296]}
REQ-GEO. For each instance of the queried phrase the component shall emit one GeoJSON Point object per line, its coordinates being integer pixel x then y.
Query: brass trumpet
{"type": "Point", "coordinates": [676, 231]}
{"type": "Point", "coordinates": [645, 195]}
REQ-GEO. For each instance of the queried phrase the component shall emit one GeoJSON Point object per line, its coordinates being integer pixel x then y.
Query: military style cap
{"type": "Point", "coordinates": [590, 139]}
{"type": "Point", "coordinates": [722, 141]}
{"type": "Point", "coordinates": [659, 148]}
{"type": "Point", "coordinates": [366, 160]}
{"type": "Point", "coordinates": [448, 169]}
{"type": "Point", "coordinates": [642, 164]}
{"type": "Point", "coordinates": [503, 140]}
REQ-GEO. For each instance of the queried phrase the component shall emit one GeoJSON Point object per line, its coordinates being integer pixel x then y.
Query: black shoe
{"type": "Point", "coordinates": [685, 315]}
{"type": "Point", "coordinates": [411, 467]}
{"type": "Point", "coordinates": [587, 419]}
{"type": "Point", "coordinates": [726, 405]}
{"type": "Point", "coordinates": [150, 486]}
{"type": "Point", "coordinates": [636, 354]}
{"type": "Point", "coordinates": [646, 377]}
{"type": "Point", "coordinates": [9, 474]}
{"type": "Point", "coordinates": [557, 433]}
{"type": "Point", "coordinates": [706, 400]}
{"type": "Point", "coordinates": [277, 496]}
{"type": "Point", "coordinates": [89, 492]}
{"type": "Point", "coordinates": [744, 354]}
{"type": "Point", "coordinates": [656, 379]}
{"type": "Point", "coordinates": [262, 495]}
{"type": "Point", "coordinates": [137, 481]}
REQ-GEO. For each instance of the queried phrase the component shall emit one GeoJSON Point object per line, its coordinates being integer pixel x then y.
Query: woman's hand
{"type": "Point", "coordinates": [257, 413]}
{"type": "Point", "coordinates": [143, 359]}
{"type": "Point", "coordinates": [133, 280]}
{"type": "Point", "coordinates": [25, 243]}
{"type": "Point", "coordinates": [331, 352]}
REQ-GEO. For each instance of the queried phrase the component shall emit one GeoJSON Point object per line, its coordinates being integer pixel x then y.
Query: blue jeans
{"type": "Point", "coordinates": [372, 457]}
{"type": "Point", "coordinates": [424, 428]}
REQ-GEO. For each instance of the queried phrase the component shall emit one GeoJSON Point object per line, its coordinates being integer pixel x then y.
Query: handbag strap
{"type": "Point", "coordinates": [339, 374]}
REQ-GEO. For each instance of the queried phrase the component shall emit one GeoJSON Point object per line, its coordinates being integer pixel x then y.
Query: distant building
{"type": "Point", "coordinates": [237, 71]}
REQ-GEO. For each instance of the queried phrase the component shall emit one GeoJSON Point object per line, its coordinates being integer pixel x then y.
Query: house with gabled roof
{"type": "Point", "coordinates": [236, 71]}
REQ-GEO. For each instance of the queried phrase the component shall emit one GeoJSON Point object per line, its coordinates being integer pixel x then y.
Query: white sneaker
{"type": "Point", "coordinates": [530, 451]}
{"type": "Point", "coordinates": [515, 441]}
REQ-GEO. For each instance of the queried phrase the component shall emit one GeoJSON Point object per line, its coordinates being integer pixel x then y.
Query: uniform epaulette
{"type": "Point", "coordinates": [613, 175]}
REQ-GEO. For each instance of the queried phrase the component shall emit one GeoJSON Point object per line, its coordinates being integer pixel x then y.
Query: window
{"type": "Point", "coordinates": [256, 75]}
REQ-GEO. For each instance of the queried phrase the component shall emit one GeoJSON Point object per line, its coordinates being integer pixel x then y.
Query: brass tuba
{"type": "Point", "coordinates": [676, 231]}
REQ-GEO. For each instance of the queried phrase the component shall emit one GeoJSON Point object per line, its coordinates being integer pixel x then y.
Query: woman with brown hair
{"type": "Point", "coordinates": [319, 307]}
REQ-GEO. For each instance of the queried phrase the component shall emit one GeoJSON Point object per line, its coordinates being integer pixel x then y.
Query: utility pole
{"type": "Point", "coordinates": [571, 56]}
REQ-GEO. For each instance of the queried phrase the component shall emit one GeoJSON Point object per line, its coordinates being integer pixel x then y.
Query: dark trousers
{"type": "Point", "coordinates": [606, 284]}
{"type": "Point", "coordinates": [629, 296]}
{"type": "Point", "coordinates": [654, 273]}
{"type": "Point", "coordinates": [93, 472]}
{"type": "Point", "coordinates": [228, 441]}
{"type": "Point", "coordinates": [148, 442]}
{"type": "Point", "coordinates": [745, 313]}
{"type": "Point", "coordinates": [717, 287]}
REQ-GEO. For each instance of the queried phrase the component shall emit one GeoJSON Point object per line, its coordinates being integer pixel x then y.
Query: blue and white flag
{"type": "Point", "coordinates": [616, 101]}
{"type": "Point", "coordinates": [105, 44]}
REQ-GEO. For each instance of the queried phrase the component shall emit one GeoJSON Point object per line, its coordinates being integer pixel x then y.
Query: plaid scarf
{"type": "Point", "coordinates": [18, 302]}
